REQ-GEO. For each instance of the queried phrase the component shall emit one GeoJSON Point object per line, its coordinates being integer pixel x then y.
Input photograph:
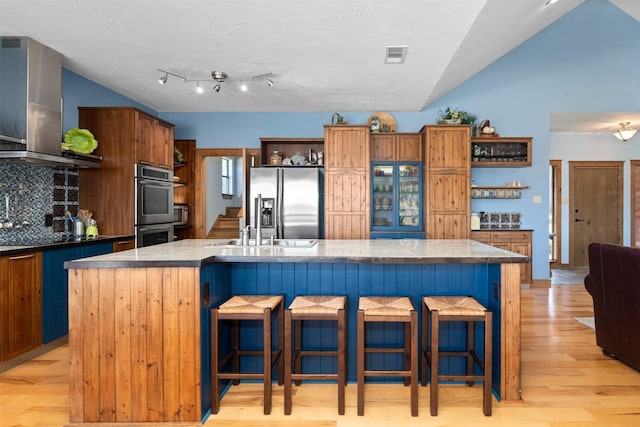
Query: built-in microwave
{"type": "Point", "coordinates": [180, 214]}
{"type": "Point", "coordinates": [153, 195]}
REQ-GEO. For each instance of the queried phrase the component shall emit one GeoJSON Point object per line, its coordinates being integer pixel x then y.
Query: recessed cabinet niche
{"type": "Point", "coordinates": [501, 152]}
{"type": "Point", "coordinates": [287, 147]}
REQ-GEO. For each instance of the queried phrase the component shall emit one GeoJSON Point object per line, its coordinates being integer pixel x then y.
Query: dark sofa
{"type": "Point", "coordinates": [614, 284]}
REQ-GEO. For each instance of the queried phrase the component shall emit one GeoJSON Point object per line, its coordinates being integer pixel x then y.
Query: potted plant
{"type": "Point", "coordinates": [454, 116]}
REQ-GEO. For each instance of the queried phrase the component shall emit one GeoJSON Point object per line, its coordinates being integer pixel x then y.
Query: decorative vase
{"type": "Point", "coordinates": [453, 122]}
{"type": "Point", "coordinates": [276, 158]}
{"type": "Point", "coordinates": [375, 124]}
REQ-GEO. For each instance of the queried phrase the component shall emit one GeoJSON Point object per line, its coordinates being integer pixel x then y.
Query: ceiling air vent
{"type": "Point", "coordinates": [395, 54]}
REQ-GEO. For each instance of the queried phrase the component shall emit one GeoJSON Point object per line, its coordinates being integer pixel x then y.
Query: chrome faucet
{"type": "Point", "coordinates": [258, 221]}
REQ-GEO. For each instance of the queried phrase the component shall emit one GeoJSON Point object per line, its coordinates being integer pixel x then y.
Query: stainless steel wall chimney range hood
{"type": "Point", "coordinates": [31, 105]}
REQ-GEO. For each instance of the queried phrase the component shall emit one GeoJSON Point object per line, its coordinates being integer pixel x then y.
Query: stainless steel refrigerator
{"type": "Point", "coordinates": [291, 200]}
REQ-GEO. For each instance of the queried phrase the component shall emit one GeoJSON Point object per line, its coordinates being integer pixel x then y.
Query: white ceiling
{"type": "Point", "coordinates": [325, 55]}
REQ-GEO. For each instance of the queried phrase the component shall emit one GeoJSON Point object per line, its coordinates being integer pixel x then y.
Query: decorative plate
{"type": "Point", "coordinates": [385, 119]}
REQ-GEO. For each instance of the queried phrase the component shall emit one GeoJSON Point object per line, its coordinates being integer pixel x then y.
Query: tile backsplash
{"type": "Point", "coordinates": [35, 192]}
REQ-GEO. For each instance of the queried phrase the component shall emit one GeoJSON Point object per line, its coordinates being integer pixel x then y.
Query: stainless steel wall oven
{"type": "Point", "coordinates": [154, 205]}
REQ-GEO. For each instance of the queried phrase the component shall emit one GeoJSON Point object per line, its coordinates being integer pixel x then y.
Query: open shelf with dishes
{"type": "Point", "coordinates": [298, 151]}
{"type": "Point", "coordinates": [489, 151]}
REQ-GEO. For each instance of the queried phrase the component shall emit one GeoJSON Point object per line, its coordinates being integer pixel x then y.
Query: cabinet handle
{"type": "Point", "coordinates": [124, 242]}
{"type": "Point", "coordinates": [19, 257]}
{"type": "Point", "coordinates": [145, 162]}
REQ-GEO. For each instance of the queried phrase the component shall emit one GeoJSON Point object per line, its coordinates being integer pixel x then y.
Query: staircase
{"type": "Point", "coordinates": [226, 226]}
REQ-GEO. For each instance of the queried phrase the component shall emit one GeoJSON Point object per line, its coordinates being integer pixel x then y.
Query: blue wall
{"type": "Point", "coordinates": [80, 92]}
{"type": "Point", "coordinates": [587, 61]}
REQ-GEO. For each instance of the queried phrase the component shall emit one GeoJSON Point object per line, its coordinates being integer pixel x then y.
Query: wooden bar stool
{"type": "Point", "coordinates": [389, 309]}
{"type": "Point", "coordinates": [314, 308]}
{"type": "Point", "coordinates": [456, 309]}
{"type": "Point", "coordinates": [246, 307]}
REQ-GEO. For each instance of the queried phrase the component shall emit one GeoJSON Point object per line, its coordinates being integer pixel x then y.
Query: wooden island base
{"type": "Point", "coordinates": [138, 335]}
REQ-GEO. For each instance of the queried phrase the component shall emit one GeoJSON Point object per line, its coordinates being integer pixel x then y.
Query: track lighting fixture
{"type": "Point", "coordinates": [218, 77]}
{"type": "Point", "coordinates": [624, 133]}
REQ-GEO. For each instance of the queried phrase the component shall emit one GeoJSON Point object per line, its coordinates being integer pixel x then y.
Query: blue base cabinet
{"type": "Point", "coordinates": [353, 280]}
{"type": "Point", "coordinates": [55, 292]}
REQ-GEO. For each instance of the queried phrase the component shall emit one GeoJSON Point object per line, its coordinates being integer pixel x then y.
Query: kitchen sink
{"type": "Point", "coordinates": [284, 243]}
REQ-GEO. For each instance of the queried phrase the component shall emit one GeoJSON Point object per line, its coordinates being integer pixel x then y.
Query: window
{"type": "Point", "coordinates": [227, 176]}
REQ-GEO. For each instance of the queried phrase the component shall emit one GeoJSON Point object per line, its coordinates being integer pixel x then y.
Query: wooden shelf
{"type": "Point", "coordinates": [497, 192]}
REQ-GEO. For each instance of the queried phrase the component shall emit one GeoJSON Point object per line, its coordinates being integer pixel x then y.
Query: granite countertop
{"type": "Point", "coordinates": [199, 252]}
{"type": "Point", "coordinates": [38, 244]}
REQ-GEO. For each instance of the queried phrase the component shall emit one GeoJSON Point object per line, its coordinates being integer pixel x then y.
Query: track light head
{"type": "Point", "coordinates": [199, 88]}
{"type": "Point", "coordinates": [216, 88]}
{"type": "Point", "coordinates": [244, 87]}
{"type": "Point", "coordinates": [269, 82]}
{"type": "Point", "coordinates": [163, 80]}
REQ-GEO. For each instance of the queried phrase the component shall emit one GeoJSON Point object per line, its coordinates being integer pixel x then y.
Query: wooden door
{"type": "Point", "coordinates": [382, 147]}
{"type": "Point", "coordinates": [408, 148]}
{"type": "Point", "coordinates": [595, 207]}
{"type": "Point", "coordinates": [635, 203]}
{"type": "Point", "coordinates": [145, 135]}
{"type": "Point", "coordinates": [162, 146]}
{"type": "Point", "coordinates": [20, 304]}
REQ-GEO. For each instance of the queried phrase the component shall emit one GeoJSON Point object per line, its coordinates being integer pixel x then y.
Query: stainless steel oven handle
{"type": "Point", "coordinates": [152, 182]}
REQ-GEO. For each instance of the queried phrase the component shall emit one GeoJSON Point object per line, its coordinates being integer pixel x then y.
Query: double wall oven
{"type": "Point", "coordinates": [154, 205]}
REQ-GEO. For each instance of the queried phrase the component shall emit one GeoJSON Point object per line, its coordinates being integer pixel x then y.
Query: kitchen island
{"type": "Point", "coordinates": [139, 319]}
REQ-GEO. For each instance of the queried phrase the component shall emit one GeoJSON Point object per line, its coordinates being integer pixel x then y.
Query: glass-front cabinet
{"type": "Point", "coordinates": [396, 202]}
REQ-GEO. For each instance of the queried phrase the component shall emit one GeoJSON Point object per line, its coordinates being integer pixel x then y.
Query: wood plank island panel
{"type": "Point", "coordinates": [134, 345]}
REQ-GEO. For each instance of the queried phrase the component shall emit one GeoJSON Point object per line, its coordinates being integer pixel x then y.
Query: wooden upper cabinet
{"type": "Point", "coordinates": [154, 141]}
{"type": "Point", "coordinates": [144, 130]}
{"type": "Point", "coordinates": [448, 146]}
{"type": "Point", "coordinates": [347, 147]}
{"type": "Point", "coordinates": [382, 147]}
{"type": "Point", "coordinates": [347, 166]}
{"type": "Point", "coordinates": [163, 146]}
{"type": "Point", "coordinates": [396, 147]}
{"type": "Point", "coordinates": [126, 136]}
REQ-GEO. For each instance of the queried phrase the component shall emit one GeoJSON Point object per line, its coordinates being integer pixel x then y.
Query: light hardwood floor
{"type": "Point", "coordinates": [566, 382]}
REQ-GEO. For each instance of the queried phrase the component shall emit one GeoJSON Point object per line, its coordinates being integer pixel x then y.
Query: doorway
{"type": "Point", "coordinates": [201, 156]}
{"type": "Point", "coordinates": [595, 207]}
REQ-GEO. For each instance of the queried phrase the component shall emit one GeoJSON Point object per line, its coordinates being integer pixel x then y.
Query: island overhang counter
{"type": "Point", "coordinates": [139, 319]}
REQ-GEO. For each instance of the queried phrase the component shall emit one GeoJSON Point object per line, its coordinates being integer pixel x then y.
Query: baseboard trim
{"type": "Point", "coordinates": [38, 351]}
{"type": "Point", "coordinates": [541, 283]}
